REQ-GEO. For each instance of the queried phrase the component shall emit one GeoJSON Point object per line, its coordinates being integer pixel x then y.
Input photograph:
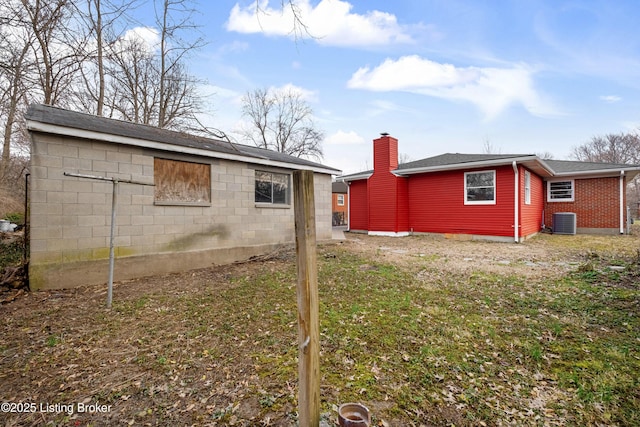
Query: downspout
{"type": "Point", "coordinates": [516, 202]}
{"type": "Point", "coordinates": [348, 205]}
{"type": "Point", "coordinates": [621, 202]}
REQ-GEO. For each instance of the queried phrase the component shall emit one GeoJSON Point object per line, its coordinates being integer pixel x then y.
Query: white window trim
{"type": "Point", "coordinates": [340, 201]}
{"type": "Point", "coordinates": [480, 202]}
{"type": "Point", "coordinates": [527, 187]}
{"type": "Point", "coordinates": [573, 191]}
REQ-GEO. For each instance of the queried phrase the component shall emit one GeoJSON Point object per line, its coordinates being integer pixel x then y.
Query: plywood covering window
{"type": "Point", "coordinates": [182, 183]}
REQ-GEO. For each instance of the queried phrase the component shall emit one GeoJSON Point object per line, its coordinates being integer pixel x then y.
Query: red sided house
{"type": "Point", "coordinates": [495, 196]}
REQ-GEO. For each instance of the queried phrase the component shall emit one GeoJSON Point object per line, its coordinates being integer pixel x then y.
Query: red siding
{"type": "Point", "coordinates": [402, 205]}
{"type": "Point", "coordinates": [382, 201]}
{"type": "Point", "coordinates": [358, 205]}
{"type": "Point", "coordinates": [531, 215]}
{"type": "Point", "coordinates": [388, 209]}
{"type": "Point", "coordinates": [596, 203]}
{"type": "Point", "coordinates": [437, 205]}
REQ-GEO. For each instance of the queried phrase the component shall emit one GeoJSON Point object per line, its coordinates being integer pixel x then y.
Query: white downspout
{"type": "Point", "coordinates": [516, 202]}
{"type": "Point", "coordinates": [621, 202]}
{"type": "Point", "coordinates": [348, 205]}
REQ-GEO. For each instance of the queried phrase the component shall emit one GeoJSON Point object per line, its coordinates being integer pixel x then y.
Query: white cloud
{"type": "Point", "coordinates": [610, 99]}
{"type": "Point", "coordinates": [492, 90]}
{"type": "Point", "coordinates": [305, 94]}
{"type": "Point", "coordinates": [150, 36]}
{"type": "Point", "coordinates": [330, 22]}
{"type": "Point", "coordinates": [343, 138]}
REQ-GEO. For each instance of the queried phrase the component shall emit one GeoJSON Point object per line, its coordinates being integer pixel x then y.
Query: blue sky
{"type": "Point", "coordinates": [440, 75]}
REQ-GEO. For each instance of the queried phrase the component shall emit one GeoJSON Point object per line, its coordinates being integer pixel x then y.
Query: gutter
{"type": "Point", "coordinates": [622, 202]}
{"type": "Point", "coordinates": [516, 201]}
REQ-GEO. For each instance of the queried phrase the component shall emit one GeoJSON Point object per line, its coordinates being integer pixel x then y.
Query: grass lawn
{"type": "Point", "coordinates": [418, 347]}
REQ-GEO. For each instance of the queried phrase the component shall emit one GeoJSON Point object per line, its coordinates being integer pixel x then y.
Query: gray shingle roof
{"type": "Point", "coordinates": [457, 158]}
{"type": "Point", "coordinates": [547, 168]}
{"type": "Point", "coordinates": [73, 119]}
{"type": "Point", "coordinates": [567, 166]}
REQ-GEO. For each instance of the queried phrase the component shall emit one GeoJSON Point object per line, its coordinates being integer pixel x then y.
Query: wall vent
{"type": "Point", "coordinates": [564, 223]}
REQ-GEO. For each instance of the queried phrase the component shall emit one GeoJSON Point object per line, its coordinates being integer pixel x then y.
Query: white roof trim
{"type": "Point", "coordinates": [34, 125]}
{"type": "Point", "coordinates": [354, 177]}
{"type": "Point", "coordinates": [611, 172]}
{"type": "Point", "coordinates": [469, 165]}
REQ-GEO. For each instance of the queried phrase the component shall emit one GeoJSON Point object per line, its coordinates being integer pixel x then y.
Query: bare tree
{"type": "Point", "coordinates": [132, 93]}
{"type": "Point", "coordinates": [16, 83]}
{"type": "Point", "coordinates": [177, 96]}
{"type": "Point", "coordinates": [489, 148]}
{"type": "Point", "coordinates": [545, 155]}
{"type": "Point", "coordinates": [610, 148]}
{"type": "Point", "coordinates": [282, 121]}
{"type": "Point", "coordinates": [104, 22]}
{"type": "Point", "coordinates": [298, 28]}
{"type": "Point", "coordinates": [54, 47]}
{"type": "Point", "coordinates": [614, 148]}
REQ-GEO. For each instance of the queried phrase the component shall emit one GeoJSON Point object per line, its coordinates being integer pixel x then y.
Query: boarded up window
{"type": "Point", "coordinates": [180, 182]}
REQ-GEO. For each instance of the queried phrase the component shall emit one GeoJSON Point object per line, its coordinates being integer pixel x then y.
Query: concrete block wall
{"type": "Point", "coordinates": [70, 216]}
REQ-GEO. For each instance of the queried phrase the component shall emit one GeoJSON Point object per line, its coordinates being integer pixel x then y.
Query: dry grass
{"type": "Point", "coordinates": [9, 203]}
{"type": "Point", "coordinates": [415, 339]}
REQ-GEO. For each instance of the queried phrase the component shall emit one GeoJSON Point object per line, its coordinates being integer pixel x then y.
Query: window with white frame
{"type": "Point", "coordinates": [340, 199]}
{"type": "Point", "coordinates": [527, 187]}
{"type": "Point", "coordinates": [560, 191]}
{"type": "Point", "coordinates": [272, 188]}
{"type": "Point", "coordinates": [480, 188]}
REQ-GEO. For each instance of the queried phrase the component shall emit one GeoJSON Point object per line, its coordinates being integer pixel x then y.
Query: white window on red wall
{"type": "Point", "coordinates": [480, 188]}
{"type": "Point", "coordinates": [527, 187]}
{"type": "Point", "coordinates": [560, 191]}
{"type": "Point", "coordinates": [340, 199]}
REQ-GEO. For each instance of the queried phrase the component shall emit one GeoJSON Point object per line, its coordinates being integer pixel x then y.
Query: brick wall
{"type": "Point", "coordinates": [596, 204]}
{"type": "Point", "coordinates": [70, 217]}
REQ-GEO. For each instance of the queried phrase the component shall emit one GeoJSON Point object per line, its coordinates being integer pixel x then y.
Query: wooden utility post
{"type": "Point", "coordinates": [308, 305]}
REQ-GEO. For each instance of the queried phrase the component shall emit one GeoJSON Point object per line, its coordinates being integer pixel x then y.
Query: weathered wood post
{"type": "Point", "coordinates": [308, 305]}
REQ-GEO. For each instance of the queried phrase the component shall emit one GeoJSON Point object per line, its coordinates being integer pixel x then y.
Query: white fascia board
{"type": "Point", "coordinates": [601, 173]}
{"type": "Point", "coordinates": [354, 177]}
{"type": "Point", "coordinates": [466, 165]}
{"type": "Point", "coordinates": [100, 136]}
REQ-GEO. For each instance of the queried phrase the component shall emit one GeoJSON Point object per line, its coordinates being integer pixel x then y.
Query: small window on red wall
{"type": "Point", "coordinates": [560, 191]}
{"type": "Point", "coordinates": [480, 188]}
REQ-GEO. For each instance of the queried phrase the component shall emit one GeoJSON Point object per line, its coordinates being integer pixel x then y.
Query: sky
{"type": "Point", "coordinates": [441, 76]}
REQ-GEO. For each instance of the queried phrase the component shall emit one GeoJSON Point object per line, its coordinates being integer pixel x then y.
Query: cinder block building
{"type": "Point", "coordinates": [194, 201]}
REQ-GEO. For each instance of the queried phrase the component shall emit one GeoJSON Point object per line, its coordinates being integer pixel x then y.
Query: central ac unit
{"type": "Point", "coordinates": [564, 223]}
